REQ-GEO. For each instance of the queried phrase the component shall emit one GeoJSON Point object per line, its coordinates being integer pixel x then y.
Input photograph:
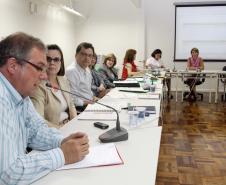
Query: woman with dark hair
{"type": "Point", "coordinates": [154, 61]}
{"type": "Point", "coordinates": [129, 66]}
{"type": "Point", "coordinates": [108, 72]}
{"type": "Point", "coordinates": [54, 105]}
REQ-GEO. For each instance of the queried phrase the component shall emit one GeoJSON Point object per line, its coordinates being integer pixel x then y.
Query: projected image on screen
{"type": "Point", "coordinates": [203, 27]}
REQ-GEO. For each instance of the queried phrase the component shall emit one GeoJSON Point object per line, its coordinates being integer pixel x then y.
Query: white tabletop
{"type": "Point", "coordinates": [139, 153]}
{"type": "Point", "coordinates": [194, 71]}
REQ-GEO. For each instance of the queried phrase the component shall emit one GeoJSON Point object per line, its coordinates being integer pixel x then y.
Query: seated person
{"type": "Point", "coordinates": [129, 66]}
{"type": "Point", "coordinates": [54, 105]}
{"type": "Point", "coordinates": [98, 86]}
{"type": "Point", "coordinates": [154, 62]}
{"type": "Point", "coordinates": [22, 68]}
{"type": "Point", "coordinates": [108, 72]}
{"type": "Point", "coordinates": [194, 63]}
{"type": "Point", "coordinates": [80, 78]}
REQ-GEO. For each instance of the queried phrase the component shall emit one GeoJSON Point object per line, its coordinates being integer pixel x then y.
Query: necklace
{"type": "Point", "coordinates": [195, 63]}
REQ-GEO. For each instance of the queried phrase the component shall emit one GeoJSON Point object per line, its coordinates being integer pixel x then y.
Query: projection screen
{"type": "Point", "coordinates": [200, 25]}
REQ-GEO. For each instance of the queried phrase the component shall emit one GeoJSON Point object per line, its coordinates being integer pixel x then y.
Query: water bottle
{"type": "Point", "coordinates": [152, 86]}
{"type": "Point", "coordinates": [146, 82]}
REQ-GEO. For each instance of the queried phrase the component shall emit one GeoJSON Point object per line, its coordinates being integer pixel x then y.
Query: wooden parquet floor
{"type": "Point", "coordinates": [193, 144]}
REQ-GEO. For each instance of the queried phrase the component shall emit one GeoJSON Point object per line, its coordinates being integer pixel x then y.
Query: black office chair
{"type": "Point", "coordinates": [223, 80]}
{"type": "Point", "coordinates": [192, 82]}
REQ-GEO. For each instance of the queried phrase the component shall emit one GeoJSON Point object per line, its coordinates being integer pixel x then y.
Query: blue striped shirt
{"type": "Point", "coordinates": [22, 126]}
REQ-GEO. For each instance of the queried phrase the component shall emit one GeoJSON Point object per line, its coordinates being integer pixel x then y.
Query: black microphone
{"type": "Point", "coordinates": [114, 135]}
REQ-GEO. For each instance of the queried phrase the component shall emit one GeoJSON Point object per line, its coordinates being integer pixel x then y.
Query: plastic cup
{"type": "Point", "coordinates": [133, 118]}
{"type": "Point", "coordinates": [152, 88]}
{"type": "Point", "coordinates": [141, 114]}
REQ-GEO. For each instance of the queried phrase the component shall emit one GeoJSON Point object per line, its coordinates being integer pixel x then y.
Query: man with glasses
{"type": "Point", "coordinates": [22, 68]}
{"type": "Point", "coordinates": [80, 78]}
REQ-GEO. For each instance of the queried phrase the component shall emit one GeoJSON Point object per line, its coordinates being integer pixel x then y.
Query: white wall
{"type": "Point", "coordinates": [114, 26]}
{"type": "Point", "coordinates": [111, 25]}
{"type": "Point", "coordinates": [52, 25]}
{"type": "Point", "coordinates": [160, 17]}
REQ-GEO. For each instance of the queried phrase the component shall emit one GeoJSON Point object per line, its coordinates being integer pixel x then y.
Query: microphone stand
{"type": "Point", "coordinates": [113, 135]}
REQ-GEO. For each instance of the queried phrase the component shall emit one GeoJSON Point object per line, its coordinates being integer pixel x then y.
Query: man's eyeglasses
{"type": "Point", "coordinates": [86, 55]}
{"type": "Point", "coordinates": [38, 68]}
{"type": "Point", "coordinates": [50, 59]}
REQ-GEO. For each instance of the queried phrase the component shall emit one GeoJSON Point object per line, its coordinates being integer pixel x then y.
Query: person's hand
{"type": "Point", "coordinates": [95, 98]}
{"type": "Point", "coordinates": [74, 136]}
{"type": "Point", "coordinates": [141, 72]}
{"type": "Point", "coordinates": [86, 102]}
{"type": "Point", "coordinates": [75, 147]}
{"type": "Point", "coordinates": [101, 87]}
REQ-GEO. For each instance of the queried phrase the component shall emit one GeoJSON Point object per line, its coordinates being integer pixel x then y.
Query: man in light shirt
{"type": "Point", "coordinates": [22, 68]}
{"type": "Point", "coordinates": [80, 78]}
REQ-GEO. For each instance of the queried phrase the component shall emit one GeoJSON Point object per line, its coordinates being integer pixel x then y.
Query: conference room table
{"type": "Point", "coordinates": [139, 153]}
{"type": "Point", "coordinates": [216, 75]}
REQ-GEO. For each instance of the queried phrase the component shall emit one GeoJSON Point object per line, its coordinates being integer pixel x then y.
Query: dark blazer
{"type": "Point", "coordinates": [96, 82]}
{"type": "Point", "coordinates": [109, 75]}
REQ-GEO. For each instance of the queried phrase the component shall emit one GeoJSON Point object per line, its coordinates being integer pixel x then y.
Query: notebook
{"type": "Point", "coordinates": [97, 116]}
{"type": "Point", "coordinates": [100, 155]}
{"type": "Point", "coordinates": [149, 96]}
{"type": "Point", "coordinates": [100, 108]}
{"type": "Point", "coordinates": [126, 83]}
{"type": "Point", "coordinates": [133, 90]}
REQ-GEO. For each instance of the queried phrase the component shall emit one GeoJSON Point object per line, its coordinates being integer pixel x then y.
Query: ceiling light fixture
{"type": "Point", "coordinates": [72, 11]}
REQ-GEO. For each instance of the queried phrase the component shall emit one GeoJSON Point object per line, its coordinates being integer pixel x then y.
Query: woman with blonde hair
{"type": "Point", "coordinates": [108, 72]}
{"type": "Point", "coordinates": [194, 63]}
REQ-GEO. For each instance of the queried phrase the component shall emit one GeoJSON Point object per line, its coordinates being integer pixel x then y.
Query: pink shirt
{"type": "Point", "coordinates": [195, 62]}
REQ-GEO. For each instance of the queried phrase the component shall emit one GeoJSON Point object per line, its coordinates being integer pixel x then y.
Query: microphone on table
{"type": "Point", "coordinates": [114, 135]}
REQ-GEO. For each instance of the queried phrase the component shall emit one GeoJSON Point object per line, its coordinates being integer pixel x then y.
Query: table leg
{"type": "Point", "coordinates": [217, 87]}
{"type": "Point", "coordinates": [176, 85]}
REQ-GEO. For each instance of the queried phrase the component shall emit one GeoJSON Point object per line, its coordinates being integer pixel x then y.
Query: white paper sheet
{"type": "Point", "coordinates": [100, 155]}
{"type": "Point", "coordinates": [95, 116]}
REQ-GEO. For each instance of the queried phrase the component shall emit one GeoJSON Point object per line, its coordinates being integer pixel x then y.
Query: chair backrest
{"type": "Point", "coordinates": [224, 68]}
{"type": "Point", "coordinates": [223, 77]}
{"type": "Point", "coordinates": [202, 78]}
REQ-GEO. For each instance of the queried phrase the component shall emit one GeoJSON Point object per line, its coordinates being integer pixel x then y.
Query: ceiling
{"type": "Point", "coordinates": [82, 6]}
{"type": "Point", "coordinates": [73, 3]}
